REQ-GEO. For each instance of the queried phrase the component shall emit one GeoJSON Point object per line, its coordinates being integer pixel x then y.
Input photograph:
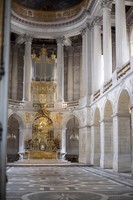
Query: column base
{"type": "Point", "coordinates": [122, 163]}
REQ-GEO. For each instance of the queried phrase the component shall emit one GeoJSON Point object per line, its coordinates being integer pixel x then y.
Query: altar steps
{"type": "Point", "coordinates": [44, 163]}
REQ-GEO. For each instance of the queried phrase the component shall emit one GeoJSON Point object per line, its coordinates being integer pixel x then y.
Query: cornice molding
{"type": "Point", "coordinates": [17, 18]}
{"type": "Point", "coordinates": [106, 4]}
{"type": "Point", "coordinates": [48, 30]}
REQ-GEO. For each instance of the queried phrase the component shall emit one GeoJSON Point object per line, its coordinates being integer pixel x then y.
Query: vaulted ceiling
{"type": "Point", "coordinates": [48, 5]}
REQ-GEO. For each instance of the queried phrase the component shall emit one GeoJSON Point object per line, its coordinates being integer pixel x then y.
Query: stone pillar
{"type": "Point", "coordinates": [27, 69]}
{"type": "Point", "coordinates": [92, 146]}
{"type": "Point", "coordinates": [63, 142]}
{"type": "Point", "coordinates": [122, 49]}
{"type": "Point", "coordinates": [83, 84]}
{"type": "Point", "coordinates": [84, 145]}
{"type": "Point", "coordinates": [131, 40]}
{"type": "Point", "coordinates": [21, 141]}
{"type": "Point", "coordinates": [88, 59]}
{"type": "Point", "coordinates": [60, 69]}
{"type": "Point", "coordinates": [107, 39]}
{"type": "Point", "coordinates": [106, 159]}
{"type": "Point", "coordinates": [14, 73]}
{"type": "Point", "coordinates": [70, 75]}
{"type": "Point", "coordinates": [121, 143]}
{"type": "Point", "coordinates": [5, 10]}
{"type": "Point", "coordinates": [97, 71]}
{"type": "Point", "coordinates": [132, 137]}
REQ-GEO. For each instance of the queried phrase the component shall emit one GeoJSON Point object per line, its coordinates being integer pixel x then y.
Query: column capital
{"type": "Point", "coordinates": [97, 21]}
{"type": "Point", "coordinates": [60, 39]}
{"type": "Point", "coordinates": [89, 26]}
{"type": "Point", "coordinates": [106, 4]}
{"type": "Point", "coordinates": [83, 31]}
{"type": "Point", "coordinates": [28, 38]}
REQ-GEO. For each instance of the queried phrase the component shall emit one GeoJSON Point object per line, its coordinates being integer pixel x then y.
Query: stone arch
{"type": "Point", "coordinates": [95, 138]}
{"type": "Point", "coordinates": [18, 117]}
{"type": "Point", "coordinates": [107, 137]}
{"type": "Point", "coordinates": [14, 137]}
{"type": "Point", "coordinates": [67, 117]}
{"type": "Point", "coordinates": [72, 138]}
{"type": "Point", "coordinates": [122, 134]}
{"type": "Point", "coordinates": [123, 104]}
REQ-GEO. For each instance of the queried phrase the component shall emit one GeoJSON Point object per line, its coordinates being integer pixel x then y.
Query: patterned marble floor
{"type": "Point", "coordinates": [67, 183]}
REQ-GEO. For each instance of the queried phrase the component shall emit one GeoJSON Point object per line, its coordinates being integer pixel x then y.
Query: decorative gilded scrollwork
{"type": "Point", "coordinates": [43, 91]}
{"type": "Point", "coordinates": [27, 117]}
{"type": "Point", "coordinates": [57, 118]}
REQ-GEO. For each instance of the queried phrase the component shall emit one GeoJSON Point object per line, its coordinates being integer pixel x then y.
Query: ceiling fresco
{"type": "Point", "coordinates": [49, 5]}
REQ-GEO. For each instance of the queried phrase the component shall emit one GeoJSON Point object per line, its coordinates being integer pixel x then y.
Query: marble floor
{"type": "Point", "coordinates": [67, 182]}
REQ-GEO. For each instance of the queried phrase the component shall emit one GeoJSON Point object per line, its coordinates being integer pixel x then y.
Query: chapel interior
{"type": "Point", "coordinates": [68, 86]}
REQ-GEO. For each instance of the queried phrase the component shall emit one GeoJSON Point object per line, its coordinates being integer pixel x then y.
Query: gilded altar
{"type": "Point", "coordinates": [43, 144]}
{"type": "Point", "coordinates": [41, 155]}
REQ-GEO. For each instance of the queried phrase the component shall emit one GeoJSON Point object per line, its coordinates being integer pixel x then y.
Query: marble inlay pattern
{"type": "Point", "coordinates": [67, 183]}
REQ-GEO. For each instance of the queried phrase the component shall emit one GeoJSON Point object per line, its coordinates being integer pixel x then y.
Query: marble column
{"type": "Point", "coordinates": [14, 72]}
{"type": "Point", "coordinates": [21, 141]}
{"type": "Point", "coordinates": [27, 69]}
{"type": "Point", "coordinates": [60, 69]}
{"type": "Point", "coordinates": [85, 145]}
{"type": "Point", "coordinates": [106, 159]}
{"type": "Point", "coordinates": [122, 48]}
{"type": "Point", "coordinates": [97, 71]}
{"type": "Point", "coordinates": [132, 138]}
{"type": "Point", "coordinates": [5, 11]}
{"type": "Point", "coordinates": [92, 146]}
{"type": "Point", "coordinates": [63, 142]}
{"type": "Point", "coordinates": [131, 40]}
{"type": "Point", "coordinates": [83, 84]}
{"type": "Point", "coordinates": [121, 143]}
{"type": "Point", "coordinates": [70, 75]}
{"type": "Point", "coordinates": [107, 39]}
{"type": "Point", "coordinates": [88, 59]}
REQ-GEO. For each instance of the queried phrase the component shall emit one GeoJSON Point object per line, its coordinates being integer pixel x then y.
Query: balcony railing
{"type": "Point", "coordinates": [15, 104]}
{"type": "Point", "coordinates": [70, 104]}
{"type": "Point", "coordinates": [120, 73]}
{"type": "Point", "coordinates": [107, 85]}
{"type": "Point", "coordinates": [96, 95]}
{"type": "Point", "coordinates": [123, 71]}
